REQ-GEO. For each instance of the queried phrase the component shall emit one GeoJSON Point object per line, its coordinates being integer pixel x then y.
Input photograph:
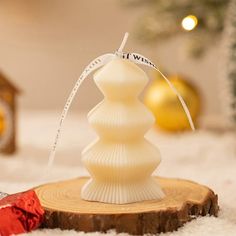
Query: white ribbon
{"type": "Point", "coordinates": [94, 65]}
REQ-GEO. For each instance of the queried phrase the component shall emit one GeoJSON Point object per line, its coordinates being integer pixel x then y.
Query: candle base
{"type": "Point", "coordinates": [184, 201]}
{"type": "Point", "coordinates": [122, 193]}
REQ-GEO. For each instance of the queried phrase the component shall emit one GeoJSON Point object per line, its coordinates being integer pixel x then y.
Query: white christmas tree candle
{"type": "Point", "coordinates": [121, 161]}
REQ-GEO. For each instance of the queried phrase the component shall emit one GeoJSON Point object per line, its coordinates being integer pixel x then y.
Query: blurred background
{"type": "Point", "coordinates": [45, 45]}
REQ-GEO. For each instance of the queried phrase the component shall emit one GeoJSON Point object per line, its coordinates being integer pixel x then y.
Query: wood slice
{"type": "Point", "coordinates": [184, 201]}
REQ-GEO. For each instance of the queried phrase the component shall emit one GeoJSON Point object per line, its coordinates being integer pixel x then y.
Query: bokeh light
{"type": "Point", "coordinates": [189, 22]}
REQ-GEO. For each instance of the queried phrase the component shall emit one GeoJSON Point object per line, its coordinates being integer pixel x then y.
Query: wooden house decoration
{"type": "Point", "coordinates": [8, 93]}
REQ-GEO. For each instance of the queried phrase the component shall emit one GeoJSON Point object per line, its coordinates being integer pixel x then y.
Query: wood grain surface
{"type": "Point", "coordinates": [184, 201]}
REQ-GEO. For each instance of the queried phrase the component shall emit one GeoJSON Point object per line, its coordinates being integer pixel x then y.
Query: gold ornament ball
{"type": "Point", "coordinates": [167, 108]}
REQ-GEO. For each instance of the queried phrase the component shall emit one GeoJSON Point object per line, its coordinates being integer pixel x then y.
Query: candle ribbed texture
{"type": "Point", "coordinates": [121, 160]}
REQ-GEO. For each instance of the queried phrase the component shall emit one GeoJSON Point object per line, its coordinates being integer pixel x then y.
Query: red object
{"type": "Point", "coordinates": [20, 213]}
